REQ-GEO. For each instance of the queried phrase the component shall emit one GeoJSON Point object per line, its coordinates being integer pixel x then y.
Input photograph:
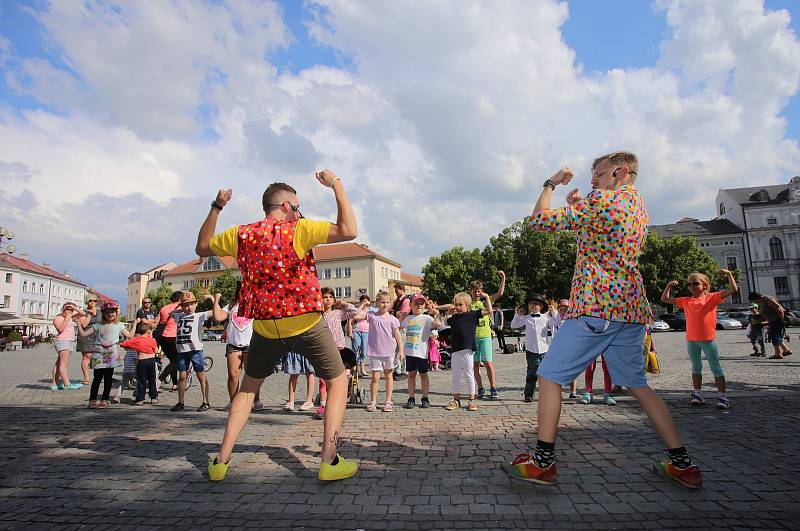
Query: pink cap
{"type": "Point", "coordinates": [417, 297]}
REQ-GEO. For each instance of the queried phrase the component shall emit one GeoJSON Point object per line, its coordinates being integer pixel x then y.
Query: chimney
{"type": "Point", "coordinates": [45, 264]}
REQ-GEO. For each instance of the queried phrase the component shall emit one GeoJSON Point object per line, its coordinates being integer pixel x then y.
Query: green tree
{"type": "Point", "coordinates": [451, 272]}
{"type": "Point", "coordinates": [160, 297]}
{"type": "Point", "coordinates": [665, 259]}
{"type": "Point", "coordinates": [226, 285]}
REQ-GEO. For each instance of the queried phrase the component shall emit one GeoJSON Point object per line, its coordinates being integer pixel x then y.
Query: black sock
{"type": "Point", "coordinates": [335, 460]}
{"type": "Point", "coordinates": [679, 457]}
{"type": "Point", "coordinates": [545, 454]}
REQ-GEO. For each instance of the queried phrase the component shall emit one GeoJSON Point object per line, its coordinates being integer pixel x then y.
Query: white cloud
{"type": "Point", "coordinates": [451, 116]}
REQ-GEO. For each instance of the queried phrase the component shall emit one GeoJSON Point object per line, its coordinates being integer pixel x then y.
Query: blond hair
{"type": "Point", "coordinates": [476, 285]}
{"type": "Point", "coordinates": [382, 295]}
{"type": "Point", "coordinates": [701, 277]}
{"type": "Point", "coordinates": [619, 158]}
{"type": "Point", "coordinates": [464, 297]}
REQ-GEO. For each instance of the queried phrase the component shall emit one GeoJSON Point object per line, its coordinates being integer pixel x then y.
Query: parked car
{"type": "Point", "coordinates": [792, 317]}
{"type": "Point", "coordinates": [660, 326]}
{"type": "Point", "coordinates": [742, 317]}
{"type": "Point", "coordinates": [212, 335]}
{"type": "Point", "coordinates": [676, 321]}
{"type": "Point", "coordinates": [726, 323]}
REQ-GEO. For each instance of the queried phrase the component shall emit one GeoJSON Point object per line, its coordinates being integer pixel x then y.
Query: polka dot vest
{"type": "Point", "coordinates": [276, 283]}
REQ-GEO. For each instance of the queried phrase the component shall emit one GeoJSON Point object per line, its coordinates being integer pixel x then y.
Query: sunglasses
{"type": "Point", "coordinates": [146, 302]}
{"type": "Point", "coordinates": [292, 207]}
{"type": "Point", "coordinates": [694, 283]}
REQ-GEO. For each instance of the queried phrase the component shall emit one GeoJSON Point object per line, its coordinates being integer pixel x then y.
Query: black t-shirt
{"type": "Point", "coordinates": [462, 329]}
{"type": "Point", "coordinates": [149, 315]}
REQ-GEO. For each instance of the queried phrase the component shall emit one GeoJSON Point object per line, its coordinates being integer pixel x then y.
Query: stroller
{"type": "Point", "coordinates": [350, 361]}
{"type": "Point", "coordinates": [445, 350]}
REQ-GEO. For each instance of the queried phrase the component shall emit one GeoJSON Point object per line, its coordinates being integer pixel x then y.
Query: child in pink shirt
{"type": "Point", "coordinates": [335, 312]}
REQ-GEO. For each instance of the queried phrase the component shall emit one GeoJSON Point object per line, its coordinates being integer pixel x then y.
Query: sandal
{"type": "Point", "coordinates": [387, 407]}
{"type": "Point", "coordinates": [372, 407]}
{"type": "Point", "coordinates": [93, 404]}
{"type": "Point", "coordinates": [776, 357]}
{"type": "Point", "coordinates": [103, 404]}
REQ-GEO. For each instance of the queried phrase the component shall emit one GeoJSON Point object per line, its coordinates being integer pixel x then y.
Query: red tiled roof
{"type": "Point", "coordinates": [190, 266]}
{"type": "Point", "coordinates": [415, 280]}
{"type": "Point", "coordinates": [102, 297]}
{"type": "Point", "coordinates": [339, 251]}
{"type": "Point", "coordinates": [27, 265]}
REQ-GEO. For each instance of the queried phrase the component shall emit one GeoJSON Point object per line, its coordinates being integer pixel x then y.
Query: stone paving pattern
{"type": "Point", "coordinates": [66, 467]}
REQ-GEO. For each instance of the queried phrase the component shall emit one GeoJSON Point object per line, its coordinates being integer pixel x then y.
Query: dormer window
{"type": "Point", "coordinates": [721, 208]}
{"type": "Point", "coordinates": [212, 264]}
{"type": "Point", "coordinates": [772, 220]}
{"type": "Point", "coordinates": [761, 195]}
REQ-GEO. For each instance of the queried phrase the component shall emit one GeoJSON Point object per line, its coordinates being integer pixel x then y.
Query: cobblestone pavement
{"type": "Point", "coordinates": [64, 466]}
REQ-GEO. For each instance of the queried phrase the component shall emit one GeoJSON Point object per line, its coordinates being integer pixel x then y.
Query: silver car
{"type": "Point", "coordinates": [724, 322]}
{"type": "Point", "coordinates": [660, 326]}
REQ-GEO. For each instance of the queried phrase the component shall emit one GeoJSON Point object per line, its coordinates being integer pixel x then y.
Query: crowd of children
{"type": "Point", "coordinates": [379, 340]}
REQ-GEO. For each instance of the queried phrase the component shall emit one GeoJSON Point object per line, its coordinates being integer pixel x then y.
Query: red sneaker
{"type": "Point", "coordinates": [523, 467]}
{"type": "Point", "coordinates": [688, 477]}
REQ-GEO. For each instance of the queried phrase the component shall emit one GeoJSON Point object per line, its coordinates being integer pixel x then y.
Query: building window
{"type": "Point", "coordinates": [732, 263]}
{"type": "Point", "coordinates": [772, 220]}
{"type": "Point", "coordinates": [781, 285]}
{"type": "Point", "coordinates": [326, 274]}
{"type": "Point", "coordinates": [185, 285]}
{"type": "Point", "coordinates": [205, 282]}
{"type": "Point", "coordinates": [347, 272]}
{"type": "Point", "coordinates": [9, 278]}
{"type": "Point", "coordinates": [348, 292]}
{"type": "Point", "coordinates": [338, 272]}
{"type": "Point", "coordinates": [41, 289]}
{"type": "Point", "coordinates": [24, 307]}
{"type": "Point", "coordinates": [721, 208]}
{"type": "Point", "coordinates": [775, 248]}
{"type": "Point", "coordinates": [6, 301]}
{"type": "Point", "coordinates": [24, 286]}
{"type": "Point", "coordinates": [41, 308]}
{"type": "Point", "coordinates": [338, 292]}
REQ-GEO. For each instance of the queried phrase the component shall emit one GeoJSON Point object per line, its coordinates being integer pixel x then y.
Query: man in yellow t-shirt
{"type": "Point", "coordinates": [305, 333]}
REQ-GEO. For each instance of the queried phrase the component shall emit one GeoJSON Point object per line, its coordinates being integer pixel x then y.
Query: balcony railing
{"type": "Point", "coordinates": [786, 262]}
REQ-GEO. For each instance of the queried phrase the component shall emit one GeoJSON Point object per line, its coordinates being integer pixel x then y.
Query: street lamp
{"type": "Point", "coordinates": [8, 235]}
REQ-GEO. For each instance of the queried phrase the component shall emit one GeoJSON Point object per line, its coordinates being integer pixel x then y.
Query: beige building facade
{"type": "Point", "coordinates": [139, 284]}
{"type": "Point", "coordinates": [353, 269]}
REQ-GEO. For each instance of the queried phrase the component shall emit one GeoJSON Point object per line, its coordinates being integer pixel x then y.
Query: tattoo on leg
{"type": "Point", "coordinates": [335, 439]}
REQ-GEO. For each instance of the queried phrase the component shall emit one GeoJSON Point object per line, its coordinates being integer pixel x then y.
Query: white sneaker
{"type": "Point", "coordinates": [306, 406]}
{"type": "Point", "coordinates": [288, 406]}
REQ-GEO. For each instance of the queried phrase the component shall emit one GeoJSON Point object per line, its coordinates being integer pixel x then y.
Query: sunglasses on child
{"type": "Point", "coordinates": [694, 283]}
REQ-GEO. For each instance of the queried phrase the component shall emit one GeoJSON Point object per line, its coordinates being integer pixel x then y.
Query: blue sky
{"type": "Point", "coordinates": [144, 111]}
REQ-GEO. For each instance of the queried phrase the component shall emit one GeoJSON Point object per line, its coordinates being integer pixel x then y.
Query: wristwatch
{"type": "Point", "coordinates": [216, 205]}
{"type": "Point", "coordinates": [549, 183]}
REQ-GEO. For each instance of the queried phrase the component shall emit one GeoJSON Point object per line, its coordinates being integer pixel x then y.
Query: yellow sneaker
{"type": "Point", "coordinates": [216, 471]}
{"type": "Point", "coordinates": [342, 470]}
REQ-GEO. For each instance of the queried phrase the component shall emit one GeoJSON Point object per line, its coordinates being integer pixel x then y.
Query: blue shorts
{"type": "Point", "coordinates": [579, 341]}
{"type": "Point", "coordinates": [777, 329]}
{"type": "Point", "coordinates": [483, 349]}
{"type": "Point", "coordinates": [195, 357]}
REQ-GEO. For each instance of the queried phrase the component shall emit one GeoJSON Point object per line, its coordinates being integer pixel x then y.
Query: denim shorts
{"type": "Point", "coordinates": [195, 357]}
{"type": "Point", "coordinates": [580, 340]}
{"type": "Point", "coordinates": [777, 329]}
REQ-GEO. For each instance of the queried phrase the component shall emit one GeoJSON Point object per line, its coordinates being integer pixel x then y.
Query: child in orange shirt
{"type": "Point", "coordinates": [701, 323]}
